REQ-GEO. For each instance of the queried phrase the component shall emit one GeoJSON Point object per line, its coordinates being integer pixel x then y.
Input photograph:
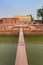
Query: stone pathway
{"type": "Point", "coordinates": [21, 58]}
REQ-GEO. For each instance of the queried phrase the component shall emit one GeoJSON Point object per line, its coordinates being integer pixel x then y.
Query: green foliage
{"type": "Point", "coordinates": [40, 13]}
{"type": "Point", "coordinates": [38, 21]}
{"type": "Point", "coordinates": [32, 19]}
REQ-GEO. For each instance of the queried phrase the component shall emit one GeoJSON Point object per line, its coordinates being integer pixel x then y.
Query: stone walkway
{"type": "Point", "coordinates": [21, 58]}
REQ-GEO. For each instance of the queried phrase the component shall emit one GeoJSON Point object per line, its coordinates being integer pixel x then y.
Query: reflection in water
{"type": "Point", "coordinates": [34, 49]}
{"type": "Point", "coordinates": [8, 45]}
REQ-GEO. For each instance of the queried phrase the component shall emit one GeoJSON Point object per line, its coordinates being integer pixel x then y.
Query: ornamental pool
{"type": "Point", "coordinates": [34, 49]}
{"type": "Point", "coordinates": [8, 47]}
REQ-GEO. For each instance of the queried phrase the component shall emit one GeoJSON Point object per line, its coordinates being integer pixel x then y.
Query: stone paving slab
{"type": "Point", "coordinates": [21, 58]}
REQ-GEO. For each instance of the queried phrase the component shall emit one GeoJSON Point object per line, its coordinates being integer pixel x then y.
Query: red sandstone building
{"type": "Point", "coordinates": [9, 21]}
{"type": "Point", "coordinates": [7, 25]}
{"type": "Point", "coordinates": [16, 20]}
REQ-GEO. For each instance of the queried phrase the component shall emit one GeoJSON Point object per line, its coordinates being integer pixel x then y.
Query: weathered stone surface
{"type": "Point", "coordinates": [21, 58]}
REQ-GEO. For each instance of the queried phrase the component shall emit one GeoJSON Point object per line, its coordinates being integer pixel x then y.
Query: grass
{"type": "Point", "coordinates": [34, 49]}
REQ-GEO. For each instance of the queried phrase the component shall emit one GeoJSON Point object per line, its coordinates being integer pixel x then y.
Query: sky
{"type": "Point", "coordinates": [10, 8]}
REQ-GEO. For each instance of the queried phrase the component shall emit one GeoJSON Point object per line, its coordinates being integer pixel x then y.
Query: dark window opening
{"type": "Point", "coordinates": [1, 22]}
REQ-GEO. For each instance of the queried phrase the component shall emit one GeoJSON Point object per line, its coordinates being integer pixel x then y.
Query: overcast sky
{"type": "Point", "coordinates": [10, 8]}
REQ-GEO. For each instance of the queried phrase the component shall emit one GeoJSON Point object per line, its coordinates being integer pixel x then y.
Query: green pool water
{"type": "Point", "coordinates": [8, 47]}
{"type": "Point", "coordinates": [34, 49]}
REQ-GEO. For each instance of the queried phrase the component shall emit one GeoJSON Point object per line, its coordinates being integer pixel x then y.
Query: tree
{"type": "Point", "coordinates": [40, 13]}
{"type": "Point", "coordinates": [32, 19]}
